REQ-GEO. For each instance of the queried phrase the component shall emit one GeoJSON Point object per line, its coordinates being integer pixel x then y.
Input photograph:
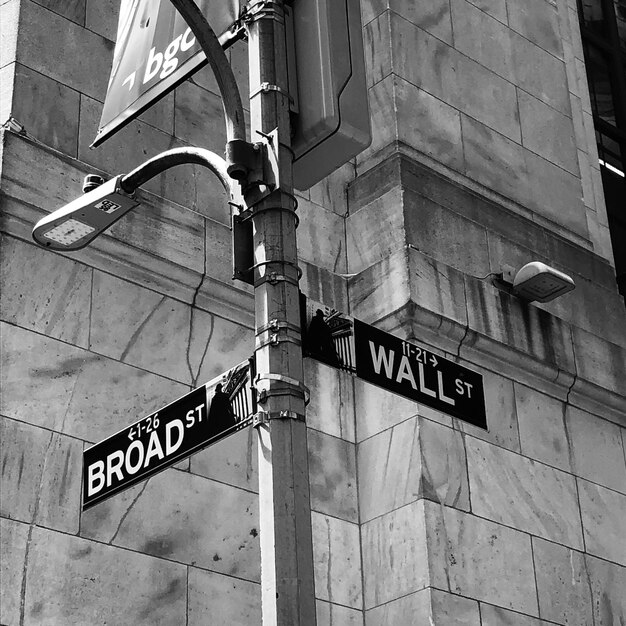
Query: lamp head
{"type": "Point", "coordinates": [540, 282]}
{"type": "Point", "coordinates": [78, 223]}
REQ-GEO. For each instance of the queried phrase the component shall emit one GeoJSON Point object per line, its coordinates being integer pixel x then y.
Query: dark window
{"type": "Point", "coordinates": [603, 29]}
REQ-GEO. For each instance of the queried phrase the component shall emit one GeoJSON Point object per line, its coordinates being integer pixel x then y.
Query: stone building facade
{"type": "Point", "coordinates": [483, 155]}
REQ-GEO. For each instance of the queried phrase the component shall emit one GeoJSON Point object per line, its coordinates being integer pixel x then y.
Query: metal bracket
{"type": "Point", "coordinates": [291, 383]}
{"type": "Point", "coordinates": [276, 325]}
{"type": "Point", "coordinates": [265, 417]}
{"type": "Point", "coordinates": [263, 9]}
{"type": "Point", "coordinates": [266, 88]}
{"type": "Point", "coordinates": [274, 328]}
{"type": "Point", "coordinates": [274, 278]}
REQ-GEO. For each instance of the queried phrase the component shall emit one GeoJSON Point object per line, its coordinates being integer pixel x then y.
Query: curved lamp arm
{"type": "Point", "coordinates": [171, 158]}
{"type": "Point", "coordinates": [233, 109]}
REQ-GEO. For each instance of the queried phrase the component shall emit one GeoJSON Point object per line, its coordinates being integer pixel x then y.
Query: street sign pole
{"type": "Point", "coordinates": [287, 573]}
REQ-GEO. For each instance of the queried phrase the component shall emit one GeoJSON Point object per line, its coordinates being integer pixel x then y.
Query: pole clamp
{"type": "Point", "coordinates": [273, 278]}
{"type": "Point", "coordinates": [290, 332]}
{"type": "Point", "coordinates": [265, 417]}
{"type": "Point", "coordinates": [291, 385]}
{"type": "Point", "coordinates": [276, 325]}
{"type": "Point", "coordinates": [266, 88]}
{"type": "Point", "coordinates": [263, 9]}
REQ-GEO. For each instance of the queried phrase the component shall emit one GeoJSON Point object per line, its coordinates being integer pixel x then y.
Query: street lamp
{"type": "Point", "coordinates": [78, 223]}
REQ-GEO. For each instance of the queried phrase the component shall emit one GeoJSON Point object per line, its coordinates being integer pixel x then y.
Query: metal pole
{"type": "Point", "coordinates": [287, 575]}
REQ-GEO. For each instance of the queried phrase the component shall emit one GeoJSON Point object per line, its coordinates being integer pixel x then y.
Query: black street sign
{"type": "Point", "coordinates": [403, 367]}
{"type": "Point", "coordinates": [202, 417]}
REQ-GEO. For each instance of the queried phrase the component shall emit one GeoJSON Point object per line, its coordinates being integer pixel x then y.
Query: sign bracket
{"type": "Point", "coordinates": [265, 417]}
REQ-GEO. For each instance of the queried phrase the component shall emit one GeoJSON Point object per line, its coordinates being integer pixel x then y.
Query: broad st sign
{"type": "Point", "coordinates": [155, 50]}
{"type": "Point", "coordinates": [202, 417]}
{"type": "Point", "coordinates": [403, 367]}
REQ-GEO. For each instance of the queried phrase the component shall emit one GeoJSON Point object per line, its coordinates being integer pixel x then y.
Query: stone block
{"type": "Point", "coordinates": [135, 325]}
{"type": "Point", "coordinates": [9, 18]}
{"type": "Point", "coordinates": [52, 181]}
{"type": "Point", "coordinates": [562, 584]}
{"type": "Point", "coordinates": [13, 542]}
{"type": "Point", "coordinates": [232, 461]}
{"type": "Point", "coordinates": [470, 204]}
{"type": "Point", "coordinates": [437, 287]}
{"type": "Point", "coordinates": [513, 490]}
{"type": "Point", "coordinates": [527, 178]}
{"type": "Point", "coordinates": [101, 16]}
{"type": "Point", "coordinates": [41, 476]}
{"type": "Point", "coordinates": [378, 62]}
{"type": "Point", "coordinates": [221, 600]}
{"type": "Point", "coordinates": [337, 561]}
{"type": "Point", "coordinates": [379, 179]}
{"type": "Point", "coordinates": [495, 8]}
{"type": "Point", "coordinates": [183, 517]}
{"type": "Point", "coordinates": [321, 237]}
{"type": "Point", "coordinates": [607, 582]}
{"type": "Point", "coordinates": [72, 9]}
{"type": "Point", "coordinates": [331, 192]}
{"type": "Point", "coordinates": [539, 73]}
{"type": "Point", "coordinates": [537, 20]}
{"type": "Point", "coordinates": [7, 78]}
{"type": "Point", "coordinates": [428, 606]}
{"type": "Point", "coordinates": [381, 101]}
{"type": "Point", "coordinates": [603, 513]}
{"type": "Point", "coordinates": [199, 117]}
{"type": "Point", "coordinates": [599, 361]}
{"type": "Point", "coordinates": [85, 395]}
{"type": "Point", "coordinates": [333, 614]}
{"type": "Point", "coordinates": [332, 475]}
{"type": "Point", "coordinates": [331, 408]}
{"type": "Point", "coordinates": [375, 231]}
{"type": "Point", "coordinates": [495, 161]}
{"type": "Point", "coordinates": [161, 115]}
{"type": "Point", "coordinates": [454, 78]}
{"type": "Point", "coordinates": [556, 194]}
{"type": "Point", "coordinates": [445, 236]}
{"type": "Point", "coordinates": [596, 448]}
{"type": "Point", "coordinates": [497, 616]}
{"type": "Point", "coordinates": [548, 132]}
{"type": "Point", "coordinates": [372, 8]}
{"type": "Point", "coordinates": [155, 590]}
{"type": "Point", "coordinates": [395, 556]}
{"type": "Point", "coordinates": [44, 292]}
{"type": "Point", "coordinates": [484, 39]}
{"type": "Point", "coordinates": [48, 110]}
{"type": "Point", "coordinates": [428, 124]}
{"type": "Point", "coordinates": [433, 17]}
{"type": "Point", "coordinates": [542, 428]}
{"type": "Point", "coordinates": [380, 289]}
{"type": "Point", "coordinates": [415, 459]}
{"type": "Point", "coordinates": [476, 558]}
{"type": "Point", "coordinates": [378, 410]}
{"type": "Point", "coordinates": [42, 31]}
{"type": "Point", "coordinates": [502, 419]}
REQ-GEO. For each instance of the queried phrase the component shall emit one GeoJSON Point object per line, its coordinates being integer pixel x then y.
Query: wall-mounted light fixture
{"type": "Point", "coordinates": [537, 282]}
